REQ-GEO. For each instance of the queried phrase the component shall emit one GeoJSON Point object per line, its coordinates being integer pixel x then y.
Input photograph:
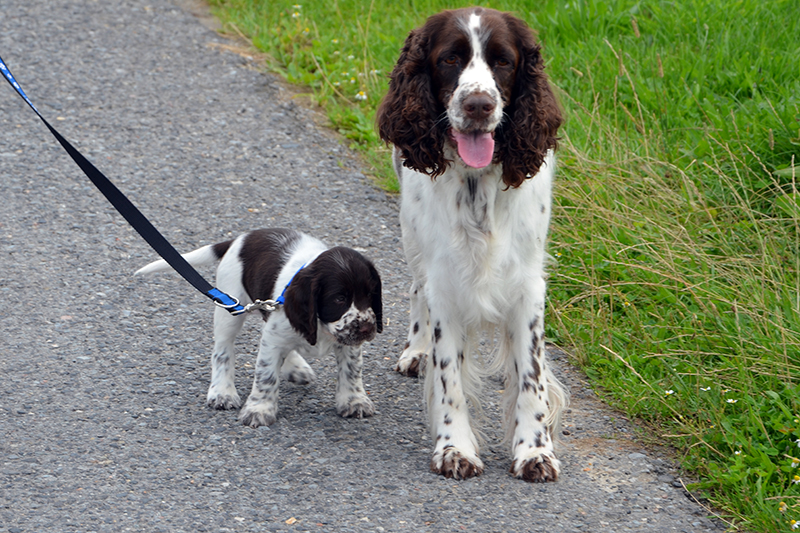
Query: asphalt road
{"type": "Point", "coordinates": [103, 376]}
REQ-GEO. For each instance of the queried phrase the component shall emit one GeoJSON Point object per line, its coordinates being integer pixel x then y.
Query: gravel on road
{"type": "Point", "coordinates": [103, 376]}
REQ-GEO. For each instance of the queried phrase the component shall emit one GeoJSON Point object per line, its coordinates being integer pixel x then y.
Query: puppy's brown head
{"type": "Point", "coordinates": [342, 289]}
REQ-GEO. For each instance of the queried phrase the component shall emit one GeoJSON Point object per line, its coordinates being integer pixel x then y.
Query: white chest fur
{"type": "Point", "coordinates": [471, 231]}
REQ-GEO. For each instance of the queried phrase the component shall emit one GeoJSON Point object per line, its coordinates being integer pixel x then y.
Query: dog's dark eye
{"type": "Point", "coordinates": [503, 62]}
{"type": "Point", "coordinates": [452, 59]}
{"type": "Point", "coordinates": [340, 299]}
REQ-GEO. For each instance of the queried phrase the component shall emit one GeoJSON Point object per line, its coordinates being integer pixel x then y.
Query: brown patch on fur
{"type": "Point", "coordinates": [456, 466]}
{"type": "Point", "coordinates": [537, 470]}
{"type": "Point", "coordinates": [413, 369]}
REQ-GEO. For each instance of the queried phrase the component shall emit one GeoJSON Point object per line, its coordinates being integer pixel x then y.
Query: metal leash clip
{"type": "Point", "coordinates": [261, 305]}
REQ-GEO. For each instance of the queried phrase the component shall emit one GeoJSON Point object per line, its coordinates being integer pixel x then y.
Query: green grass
{"type": "Point", "coordinates": [676, 280]}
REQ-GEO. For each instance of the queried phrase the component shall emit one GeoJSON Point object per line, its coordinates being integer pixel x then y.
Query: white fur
{"type": "Point", "coordinates": [200, 257]}
{"type": "Point", "coordinates": [476, 77]}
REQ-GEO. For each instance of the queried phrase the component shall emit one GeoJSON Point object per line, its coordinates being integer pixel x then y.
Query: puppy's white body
{"type": "Point", "coordinates": [283, 344]}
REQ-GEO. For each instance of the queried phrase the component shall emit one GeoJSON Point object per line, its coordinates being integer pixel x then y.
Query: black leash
{"type": "Point", "coordinates": [134, 217]}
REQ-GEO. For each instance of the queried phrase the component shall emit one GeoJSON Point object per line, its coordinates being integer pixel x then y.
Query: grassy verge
{"type": "Point", "coordinates": [677, 219]}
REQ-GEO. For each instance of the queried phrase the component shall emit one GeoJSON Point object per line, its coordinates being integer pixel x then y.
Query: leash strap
{"type": "Point", "coordinates": [134, 217]}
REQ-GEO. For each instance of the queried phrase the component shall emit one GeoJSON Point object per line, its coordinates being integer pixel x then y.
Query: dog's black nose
{"type": "Point", "coordinates": [366, 328]}
{"type": "Point", "coordinates": [478, 106]}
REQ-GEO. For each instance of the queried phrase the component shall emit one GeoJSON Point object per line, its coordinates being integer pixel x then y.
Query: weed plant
{"type": "Point", "coordinates": [676, 231]}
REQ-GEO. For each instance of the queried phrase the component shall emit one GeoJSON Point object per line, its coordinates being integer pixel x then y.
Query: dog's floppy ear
{"type": "Point", "coordinates": [408, 115]}
{"type": "Point", "coordinates": [375, 297]}
{"type": "Point", "coordinates": [301, 304]}
{"type": "Point", "coordinates": [533, 113]}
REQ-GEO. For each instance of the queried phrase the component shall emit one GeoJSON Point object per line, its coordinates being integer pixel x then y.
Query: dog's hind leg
{"type": "Point", "coordinates": [412, 360]}
{"type": "Point", "coordinates": [222, 390]}
{"type": "Point", "coordinates": [296, 370]}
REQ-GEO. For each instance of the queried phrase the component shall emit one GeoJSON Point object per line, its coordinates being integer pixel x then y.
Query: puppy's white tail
{"type": "Point", "coordinates": [202, 256]}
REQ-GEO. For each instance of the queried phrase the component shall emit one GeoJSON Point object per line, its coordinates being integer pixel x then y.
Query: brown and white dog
{"type": "Point", "coordinates": [332, 300]}
{"type": "Point", "coordinates": [473, 121]}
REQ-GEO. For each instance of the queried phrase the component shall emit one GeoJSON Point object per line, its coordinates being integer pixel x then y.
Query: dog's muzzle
{"type": "Point", "coordinates": [354, 329]}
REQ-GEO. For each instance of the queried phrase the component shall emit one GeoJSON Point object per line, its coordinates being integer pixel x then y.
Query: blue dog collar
{"type": "Point", "coordinates": [282, 298]}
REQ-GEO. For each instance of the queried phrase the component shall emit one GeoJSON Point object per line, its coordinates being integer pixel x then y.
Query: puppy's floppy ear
{"type": "Point", "coordinates": [376, 302]}
{"type": "Point", "coordinates": [301, 304]}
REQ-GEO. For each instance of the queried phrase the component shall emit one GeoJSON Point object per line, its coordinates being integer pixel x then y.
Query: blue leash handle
{"type": "Point", "coordinates": [134, 217]}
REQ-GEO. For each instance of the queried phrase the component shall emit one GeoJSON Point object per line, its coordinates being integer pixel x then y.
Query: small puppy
{"type": "Point", "coordinates": [332, 299]}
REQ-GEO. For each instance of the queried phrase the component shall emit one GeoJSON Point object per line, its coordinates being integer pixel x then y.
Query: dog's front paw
{"type": "Point", "coordinates": [457, 464]}
{"type": "Point", "coordinates": [539, 468]}
{"type": "Point", "coordinates": [357, 406]}
{"type": "Point", "coordinates": [258, 414]}
{"type": "Point", "coordinates": [411, 362]}
{"type": "Point", "coordinates": [226, 399]}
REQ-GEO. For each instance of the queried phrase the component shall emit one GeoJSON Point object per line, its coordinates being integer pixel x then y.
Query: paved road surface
{"type": "Point", "coordinates": [103, 376]}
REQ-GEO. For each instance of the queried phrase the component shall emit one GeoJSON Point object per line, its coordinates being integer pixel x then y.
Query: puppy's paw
{"type": "Point", "coordinates": [258, 414]}
{"type": "Point", "coordinates": [411, 362]}
{"type": "Point", "coordinates": [457, 464]}
{"type": "Point", "coordinates": [224, 399]}
{"type": "Point", "coordinates": [538, 467]}
{"type": "Point", "coordinates": [356, 406]}
{"type": "Point", "coordinates": [299, 375]}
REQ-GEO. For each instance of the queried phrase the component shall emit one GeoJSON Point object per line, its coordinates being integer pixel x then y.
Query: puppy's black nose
{"type": "Point", "coordinates": [478, 106]}
{"type": "Point", "coordinates": [366, 328]}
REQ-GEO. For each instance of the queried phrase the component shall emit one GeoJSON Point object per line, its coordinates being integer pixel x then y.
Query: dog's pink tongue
{"type": "Point", "coordinates": [476, 149]}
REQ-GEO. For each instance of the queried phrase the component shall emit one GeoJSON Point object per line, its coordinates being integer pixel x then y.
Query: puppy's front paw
{"type": "Point", "coordinates": [258, 414]}
{"type": "Point", "coordinates": [411, 362]}
{"type": "Point", "coordinates": [225, 399]}
{"type": "Point", "coordinates": [538, 468]}
{"type": "Point", "coordinates": [457, 464]}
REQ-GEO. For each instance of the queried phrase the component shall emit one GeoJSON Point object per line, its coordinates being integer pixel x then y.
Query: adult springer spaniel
{"type": "Point", "coordinates": [473, 122]}
{"type": "Point", "coordinates": [330, 298]}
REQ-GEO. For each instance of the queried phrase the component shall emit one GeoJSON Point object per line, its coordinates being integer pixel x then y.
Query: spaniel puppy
{"type": "Point", "coordinates": [473, 122]}
{"type": "Point", "coordinates": [332, 300]}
